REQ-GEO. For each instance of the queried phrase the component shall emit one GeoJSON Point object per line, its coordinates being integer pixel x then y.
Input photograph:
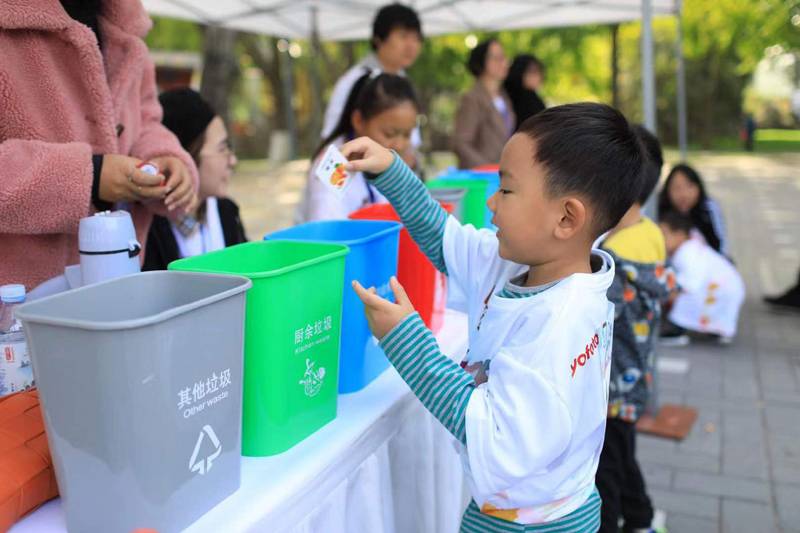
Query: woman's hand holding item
{"type": "Point", "coordinates": [122, 181]}
{"type": "Point", "coordinates": [180, 189]}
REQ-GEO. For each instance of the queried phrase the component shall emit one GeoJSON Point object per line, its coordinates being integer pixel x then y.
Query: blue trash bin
{"type": "Point", "coordinates": [372, 261]}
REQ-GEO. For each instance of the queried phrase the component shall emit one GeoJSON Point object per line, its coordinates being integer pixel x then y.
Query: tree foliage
{"type": "Point", "coordinates": [723, 42]}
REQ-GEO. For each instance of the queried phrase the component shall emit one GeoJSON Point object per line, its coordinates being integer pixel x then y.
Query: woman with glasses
{"type": "Point", "coordinates": [215, 222]}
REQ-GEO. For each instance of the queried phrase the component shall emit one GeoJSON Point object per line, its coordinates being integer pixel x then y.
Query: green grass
{"type": "Point", "coordinates": [778, 140]}
{"type": "Point", "coordinates": [767, 141]}
{"type": "Point", "coordinates": [778, 135]}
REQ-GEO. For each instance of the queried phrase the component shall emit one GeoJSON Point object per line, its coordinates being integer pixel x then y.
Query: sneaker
{"type": "Point", "coordinates": [674, 341]}
{"type": "Point", "coordinates": [788, 300]}
{"type": "Point", "coordinates": [725, 340]}
{"type": "Point", "coordinates": [672, 335]}
{"type": "Point", "coordinates": [659, 523]}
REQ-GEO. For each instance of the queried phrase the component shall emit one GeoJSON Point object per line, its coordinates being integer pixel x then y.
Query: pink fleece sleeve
{"type": "Point", "coordinates": [45, 187]}
{"type": "Point", "coordinates": [154, 138]}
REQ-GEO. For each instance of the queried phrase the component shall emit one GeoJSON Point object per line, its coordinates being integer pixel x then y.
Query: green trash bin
{"type": "Point", "coordinates": [474, 203]}
{"type": "Point", "coordinates": [292, 334]}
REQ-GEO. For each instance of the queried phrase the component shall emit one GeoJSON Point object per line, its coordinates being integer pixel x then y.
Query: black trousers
{"type": "Point", "coordinates": [620, 481]}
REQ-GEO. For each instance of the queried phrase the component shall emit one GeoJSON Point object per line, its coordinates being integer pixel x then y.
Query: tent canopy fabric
{"type": "Point", "coordinates": [342, 20]}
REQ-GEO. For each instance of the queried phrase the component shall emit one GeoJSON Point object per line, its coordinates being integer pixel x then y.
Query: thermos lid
{"type": "Point", "coordinates": [106, 232]}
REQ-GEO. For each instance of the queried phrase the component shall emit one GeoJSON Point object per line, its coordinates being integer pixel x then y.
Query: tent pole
{"type": "Point", "coordinates": [648, 67]}
{"type": "Point", "coordinates": [316, 83]}
{"type": "Point", "coordinates": [681, 83]}
{"type": "Point", "coordinates": [648, 84]}
{"type": "Point", "coordinates": [615, 65]}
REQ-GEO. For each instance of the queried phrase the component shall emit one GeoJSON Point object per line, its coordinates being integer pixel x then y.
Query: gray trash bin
{"type": "Point", "coordinates": [140, 380]}
{"type": "Point", "coordinates": [454, 197]}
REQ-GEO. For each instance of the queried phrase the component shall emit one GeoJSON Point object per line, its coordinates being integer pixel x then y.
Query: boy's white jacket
{"type": "Point", "coordinates": [535, 429]}
{"type": "Point", "coordinates": [712, 291]}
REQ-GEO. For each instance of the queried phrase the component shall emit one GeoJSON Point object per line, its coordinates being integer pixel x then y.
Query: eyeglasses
{"type": "Point", "coordinates": [225, 149]}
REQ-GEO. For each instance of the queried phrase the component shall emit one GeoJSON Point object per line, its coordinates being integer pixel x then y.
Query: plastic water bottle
{"type": "Point", "coordinates": [16, 373]}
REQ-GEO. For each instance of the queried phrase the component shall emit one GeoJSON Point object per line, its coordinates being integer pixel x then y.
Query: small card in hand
{"type": "Point", "coordinates": [331, 170]}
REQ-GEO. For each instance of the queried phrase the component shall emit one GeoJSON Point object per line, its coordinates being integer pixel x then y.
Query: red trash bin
{"type": "Point", "coordinates": [426, 286]}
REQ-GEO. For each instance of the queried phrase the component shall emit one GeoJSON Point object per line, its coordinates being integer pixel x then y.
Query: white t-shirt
{"type": "Point", "coordinates": [319, 202]}
{"type": "Point", "coordinates": [535, 429]}
{"type": "Point", "coordinates": [500, 104]}
{"type": "Point", "coordinates": [208, 238]}
{"type": "Point", "coordinates": [502, 108]}
{"type": "Point", "coordinates": [712, 291]}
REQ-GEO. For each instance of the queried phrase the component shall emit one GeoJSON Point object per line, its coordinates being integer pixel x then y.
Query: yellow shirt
{"type": "Point", "coordinates": [642, 242]}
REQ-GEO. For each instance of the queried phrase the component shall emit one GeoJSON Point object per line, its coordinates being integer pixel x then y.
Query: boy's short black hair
{"type": "Point", "coordinates": [477, 57]}
{"type": "Point", "coordinates": [389, 18]}
{"type": "Point", "coordinates": [652, 169]}
{"type": "Point", "coordinates": [676, 221]}
{"type": "Point", "coordinates": [591, 150]}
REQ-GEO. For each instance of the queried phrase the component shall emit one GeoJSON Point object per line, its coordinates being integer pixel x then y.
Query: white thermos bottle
{"type": "Point", "coordinates": [108, 246]}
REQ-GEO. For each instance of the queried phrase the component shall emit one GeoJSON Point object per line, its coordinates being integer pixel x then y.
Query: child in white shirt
{"type": "Point", "coordinates": [529, 403]}
{"type": "Point", "coordinates": [383, 107]}
{"type": "Point", "coordinates": [711, 290]}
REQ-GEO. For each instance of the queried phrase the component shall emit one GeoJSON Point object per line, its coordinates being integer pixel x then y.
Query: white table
{"type": "Point", "coordinates": [383, 465]}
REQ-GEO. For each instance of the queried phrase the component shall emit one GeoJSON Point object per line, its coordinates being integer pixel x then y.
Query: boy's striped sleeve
{"type": "Point", "coordinates": [443, 387]}
{"type": "Point", "coordinates": [421, 214]}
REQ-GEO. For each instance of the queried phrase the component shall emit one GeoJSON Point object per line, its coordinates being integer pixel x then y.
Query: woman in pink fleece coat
{"type": "Point", "coordinates": [78, 111]}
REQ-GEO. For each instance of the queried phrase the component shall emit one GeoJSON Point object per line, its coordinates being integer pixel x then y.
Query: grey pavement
{"type": "Point", "coordinates": [739, 468]}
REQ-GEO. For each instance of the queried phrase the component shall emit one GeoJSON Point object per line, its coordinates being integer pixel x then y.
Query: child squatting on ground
{"type": "Point", "coordinates": [711, 290]}
{"type": "Point", "coordinates": [529, 406]}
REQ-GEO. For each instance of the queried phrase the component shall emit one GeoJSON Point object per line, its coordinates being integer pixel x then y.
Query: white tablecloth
{"type": "Point", "coordinates": [384, 465]}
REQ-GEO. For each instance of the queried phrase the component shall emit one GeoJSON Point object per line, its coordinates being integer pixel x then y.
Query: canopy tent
{"type": "Point", "coordinates": [341, 20]}
{"type": "Point", "coordinates": [352, 19]}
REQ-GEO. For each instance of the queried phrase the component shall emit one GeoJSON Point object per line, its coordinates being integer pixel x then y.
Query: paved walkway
{"type": "Point", "coordinates": [739, 469]}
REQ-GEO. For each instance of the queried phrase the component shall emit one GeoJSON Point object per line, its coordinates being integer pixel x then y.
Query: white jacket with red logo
{"type": "Point", "coordinates": [535, 429]}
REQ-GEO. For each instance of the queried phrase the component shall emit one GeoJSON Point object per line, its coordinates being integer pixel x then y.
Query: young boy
{"type": "Point", "coordinates": [396, 43]}
{"type": "Point", "coordinates": [711, 290]}
{"type": "Point", "coordinates": [531, 415]}
{"type": "Point", "coordinates": [641, 283]}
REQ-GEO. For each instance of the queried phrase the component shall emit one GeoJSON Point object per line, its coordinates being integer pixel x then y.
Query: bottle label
{"type": "Point", "coordinates": [16, 372]}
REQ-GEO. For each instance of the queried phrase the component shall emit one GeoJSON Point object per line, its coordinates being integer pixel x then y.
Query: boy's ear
{"type": "Point", "coordinates": [573, 218]}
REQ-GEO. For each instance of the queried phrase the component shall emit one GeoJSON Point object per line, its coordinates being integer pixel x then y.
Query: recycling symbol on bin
{"type": "Point", "coordinates": [202, 464]}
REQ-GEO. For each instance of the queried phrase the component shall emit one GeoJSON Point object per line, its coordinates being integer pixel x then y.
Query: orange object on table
{"type": "Point", "coordinates": [27, 478]}
{"type": "Point", "coordinates": [426, 286]}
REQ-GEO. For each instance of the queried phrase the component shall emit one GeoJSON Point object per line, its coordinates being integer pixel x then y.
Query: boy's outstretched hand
{"type": "Point", "coordinates": [365, 155]}
{"type": "Point", "coordinates": [383, 315]}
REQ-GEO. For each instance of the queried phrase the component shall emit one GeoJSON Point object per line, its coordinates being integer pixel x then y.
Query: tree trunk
{"type": "Point", "coordinates": [349, 50]}
{"type": "Point", "coordinates": [264, 54]}
{"type": "Point", "coordinates": [315, 124]}
{"type": "Point", "coordinates": [219, 68]}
